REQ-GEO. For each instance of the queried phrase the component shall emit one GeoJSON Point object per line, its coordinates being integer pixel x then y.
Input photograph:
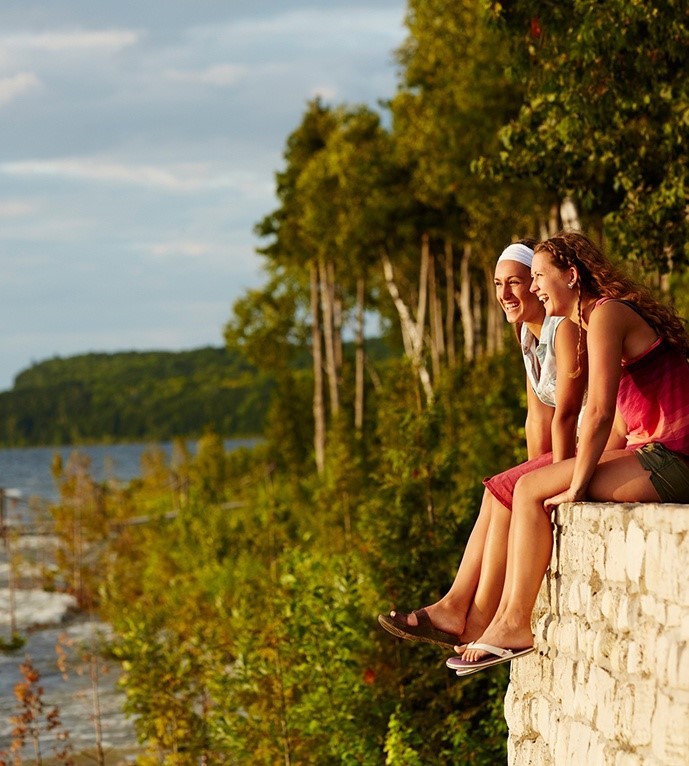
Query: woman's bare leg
{"type": "Point", "coordinates": [450, 613]}
{"type": "Point", "coordinates": [492, 577]}
{"type": "Point", "coordinates": [619, 477]}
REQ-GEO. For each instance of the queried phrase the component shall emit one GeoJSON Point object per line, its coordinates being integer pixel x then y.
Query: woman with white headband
{"type": "Point", "coordinates": [548, 344]}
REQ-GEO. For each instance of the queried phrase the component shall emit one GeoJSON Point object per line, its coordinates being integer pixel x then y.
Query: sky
{"type": "Point", "coordinates": [139, 141]}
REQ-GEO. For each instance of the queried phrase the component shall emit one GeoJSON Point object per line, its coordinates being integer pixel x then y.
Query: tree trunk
{"type": "Point", "coordinates": [569, 215]}
{"type": "Point", "coordinates": [413, 341]}
{"type": "Point", "coordinates": [337, 319]}
{"type": "Point", "coordinates": [465, 305]}
{"type": "Point", "coordinates": [329, 336]}
{"type": "Point", "coordinates": [495, 338]}
{"type": "Point", "coordinates": [423, 289]}
{"type": "Point", "coordinates": [360, 357]}
{"type": "Point", "coordinates": [316, 350]}
{"type": "Point", "coordinates": [450, 304]}
{"type": "Point", "coordinates": [435, 319]}
{"type": "Point", "coordinates": [479, 336]}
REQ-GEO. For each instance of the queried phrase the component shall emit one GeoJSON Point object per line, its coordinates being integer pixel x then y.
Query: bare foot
{"type": "Point", "coordinates": [504, 634]}
{"type": "Point", "coordinates": [443, 617]}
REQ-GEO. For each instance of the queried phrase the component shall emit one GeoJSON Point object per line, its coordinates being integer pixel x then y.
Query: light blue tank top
{"type": "Point", "coordinates": [539, 359]}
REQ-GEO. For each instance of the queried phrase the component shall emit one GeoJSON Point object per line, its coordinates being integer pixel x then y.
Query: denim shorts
{"type": "Point", "coordinates": [669, 472]}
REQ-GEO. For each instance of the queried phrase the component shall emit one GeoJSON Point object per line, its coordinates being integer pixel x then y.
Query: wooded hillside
{"type": "Point", "coordinates": [134, 395]}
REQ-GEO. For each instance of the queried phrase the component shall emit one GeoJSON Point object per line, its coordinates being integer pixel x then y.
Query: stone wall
{"type": "Point", "coordinates": [609, 685]}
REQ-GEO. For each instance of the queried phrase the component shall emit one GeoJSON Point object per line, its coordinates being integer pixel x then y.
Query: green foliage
{"type": "Point", "coordinates": [134, 395]}
{"type": "Point", "coordinates": [247, 621]}
{"type": "Point", "coordinates": [605, 117]}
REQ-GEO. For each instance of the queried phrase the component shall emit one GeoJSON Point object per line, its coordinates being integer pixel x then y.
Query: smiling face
{"type": "Point", "coordinates": [512, 282]}
{"type": "Point", "coordinates": [551, 285]}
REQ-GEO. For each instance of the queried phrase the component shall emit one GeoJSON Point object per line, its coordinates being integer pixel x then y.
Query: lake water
{"type": "Point", "coordinates": [27, 469]}
{"type": "Point", "coordinates": [26, 477]}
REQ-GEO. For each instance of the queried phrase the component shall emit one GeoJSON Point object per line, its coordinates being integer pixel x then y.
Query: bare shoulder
{"type": "Point", "coordinates": [612, 313]}
{"type": "Point", "coordinates": [568, 333]}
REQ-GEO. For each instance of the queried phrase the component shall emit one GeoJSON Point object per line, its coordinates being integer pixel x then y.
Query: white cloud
{"type": "Point", "coordinates": [107, 39]}
{"type": "Point", "coordinates": [15, 208]}
{"type": "Point", "coordinates": [11, 87]}
{"type": "Point", "coordinates": [186, 249]}
{"type": "Point", "coordinates": [324, 92]}
{"type": "Point", "coordinates": [183, 178]}
{"type": "Point", "coordinates": [219, 75]}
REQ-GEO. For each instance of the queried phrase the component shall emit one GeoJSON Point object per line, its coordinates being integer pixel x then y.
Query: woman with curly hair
{"type": "Point", "coordinates": [549, 348]}
{"type": "Point", "coordinates": [638, 402]}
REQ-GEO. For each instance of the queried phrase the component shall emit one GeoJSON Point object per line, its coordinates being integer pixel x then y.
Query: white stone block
{"type": "Point", "coordinates": [634, 658]}
{"type": "Point", "coordinates": [676, 744]}
{"type": "Point", "coordinates": [601, 688]}
{"type": "Point", "coordinates": [653, 565]}
{"type": "Point", "coordinates": [673, 616]}
{"type": "Point", "coordinates": [607, 605]}
{"type": "Point", "coordinates": [635, 547]}
{"type": "Point", "coordinates": [643, 694]}
{"type": "Point", "coordinates": [623, 618]}
{"type": "Point", "coordinates": [672, 574]}
{"type": "Point", "coordinates": [683, 669]}
{"type": "Point", "coordinates": [615, 560]}
{"type": "Point", "coordinates": [596, 753]}
{"type": "Point", "coordinates": [563, 681]}
{"type": "Point", "coordinates": [561, 743]}
{"type": "Point", "coordinates": [593, 606]}
{"type": "Point", "coordinates": [663, 647]}
{"type": "Point", "coordinates": [661, 720]}
{"type": "Point", "coordinates": [652, 607]}
{"type": "Point", "coordinates": [579, 740]}
{"type": "Point", "coordinates": [573, 601]}
{"type": "Point", "coordinates": [567, 639]}
{"type": "Point", "coordinates": [624, 758]}
{"type": "Point", "coordinates": [603, 647]}
{"type": "Point", "coordinates": [681, 596]}
{"type": "Point", "coordinates": [543, 717]}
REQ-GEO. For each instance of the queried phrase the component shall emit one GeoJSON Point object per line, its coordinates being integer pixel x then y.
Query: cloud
{"type": "Point", "coordinates": [106, 39]}
{"type": "Point", "coordinates": [183, 178]}
{"type": "Point", "coordinates": [186, 249]}
{"type": "Point", "coordinates": [219, 75]}
{"type": "Point", "coordinates": [11, 87]}
{"type": "Point", "coordinates": [324, 92]}
{"type": "Point", "coordinates": [15, 208]}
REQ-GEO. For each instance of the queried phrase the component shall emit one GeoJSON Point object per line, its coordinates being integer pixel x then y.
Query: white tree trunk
{"type": "Point", "coordinates": [412, 339]}
{"type": "Point", "coordinates": [316, 350]}
{"type": "Point", "coordinates": [360, 357]}
{"type": "Point", "coordinates": [450, 304]}
{"type": "Point", "coordinates": [327, 305]}
{"type": "Point", "coordinates": [465, 309]}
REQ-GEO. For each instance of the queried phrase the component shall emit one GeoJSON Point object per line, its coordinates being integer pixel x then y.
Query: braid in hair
{"type": "Point", "coordinates": [580, 350]}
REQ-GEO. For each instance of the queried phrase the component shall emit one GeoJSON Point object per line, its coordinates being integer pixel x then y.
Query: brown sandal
{"type": "Point", "coordinates": [397, 624]}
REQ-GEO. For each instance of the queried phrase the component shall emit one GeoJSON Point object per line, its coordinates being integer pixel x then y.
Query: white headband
{"type": "Point", "coordinates": [517, 252]}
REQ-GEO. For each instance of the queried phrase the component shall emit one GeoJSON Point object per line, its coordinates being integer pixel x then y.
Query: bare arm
{"type": "Point", "coordinates": [618, 434]}
{"type": "Point", "coordinates": [606, 331]}
{"type": "Point", "coordinates": [539, 418]}
{"type": "Point", "coordinates": [569, 391]}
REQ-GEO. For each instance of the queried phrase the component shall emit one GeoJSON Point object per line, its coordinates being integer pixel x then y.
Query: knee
{"type": "Point", "coordinates": [527, 493]}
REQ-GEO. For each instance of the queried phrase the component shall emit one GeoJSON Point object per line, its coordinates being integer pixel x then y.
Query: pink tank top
{"type": "Point", "coordinates": [653, 397]}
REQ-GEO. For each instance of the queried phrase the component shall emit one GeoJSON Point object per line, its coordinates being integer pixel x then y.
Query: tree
{"type": "Point", "coordinates": [453, 99]}
{"type": "Point", "coordinates": [605, 117]}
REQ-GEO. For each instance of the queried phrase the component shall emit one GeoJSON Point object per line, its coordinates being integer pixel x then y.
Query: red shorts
{"type": "Point", "coordinates": [501, 486]}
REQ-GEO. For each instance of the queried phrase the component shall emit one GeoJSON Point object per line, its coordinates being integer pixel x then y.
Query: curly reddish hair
{"type": "Point", "coordinates": [601, 278]}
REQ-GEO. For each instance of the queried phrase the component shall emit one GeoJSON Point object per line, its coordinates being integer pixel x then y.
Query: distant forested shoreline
{"type": "Point", "coordinates": [135, 395]}
{"type": "Point", "coordinates": [99, 397]}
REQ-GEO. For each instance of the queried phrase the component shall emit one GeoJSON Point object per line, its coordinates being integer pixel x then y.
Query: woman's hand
{"type": "Point", "coordinates": [568, 496]}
